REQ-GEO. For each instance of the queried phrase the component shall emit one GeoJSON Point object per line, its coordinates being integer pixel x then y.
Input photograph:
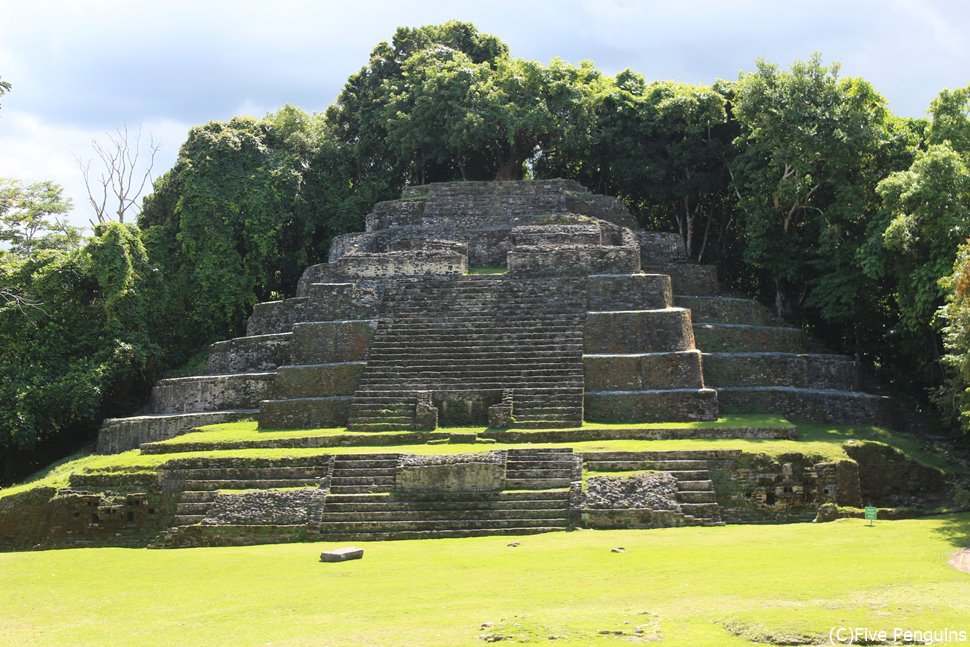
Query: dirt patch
{"type": "Point", "coordinates": [961, 560]}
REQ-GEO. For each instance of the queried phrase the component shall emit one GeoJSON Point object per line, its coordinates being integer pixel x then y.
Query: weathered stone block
{"type": "Point", "coordinates": [642, 371]}
{"type": "Point", "coordinates": [687, 279]}
{"type": "Point", "coordinates": [340, 302]}
{"type": "Point", "coordinates": [629, 292]}
{"type": "Point", "coordinates": [317, 380]}
{"type": "Point", "coordinates": [394, 213]}
{"type": "Point", "coordinates": [332, 341]}
{"type": "Point", "coordinates": [661, 248]}
{"type": "Point", "coordinates": [808, 371]}
{"type": "Point", "coordinates": [266, 507]}
{"type": "Point", "coordinates": [425, 413]}
{"type": "Point", "coordinates": [304, 413]}
{"type": "Point", "coordinates": [809, 404]}
{"type": "Point", "coordinates": [500, 415]}
{"type": "Point", "coordinates": [731, 310]}
{"type": "Point", "coordinates": [402, 264]}
{"type": "Point", "coordinates": [121, 434]}
{"type": "Point", "coordinates": [211, 392]}
{"type": "Point", "coordinates": [573, 260]}
{"type": "Point", "coordinates": [273, 317]}
{"type": "Point", "coordinates": [455, 473]}
{"type": "Point", "coordinates": [732, 338]}
{"type": "Point", "coordinates": [342, 554]}
{"type": "Point", "coordinates": [651, 406]}
{"type": "Point", "coordinates": [249, 354]}
{"type": "Point", "coordinates": [638, 331]}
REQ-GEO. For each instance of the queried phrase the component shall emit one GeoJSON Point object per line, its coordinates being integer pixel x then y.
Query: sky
{"type": "Point", "coordinates": [83, 68]}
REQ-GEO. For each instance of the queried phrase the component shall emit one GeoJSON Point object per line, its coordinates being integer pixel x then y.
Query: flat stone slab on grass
{"type": "Point", "coordinates": [342, 554]}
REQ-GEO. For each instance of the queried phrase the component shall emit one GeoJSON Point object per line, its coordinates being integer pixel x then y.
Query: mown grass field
{"type": "Point", "coordinates": [682, 586]}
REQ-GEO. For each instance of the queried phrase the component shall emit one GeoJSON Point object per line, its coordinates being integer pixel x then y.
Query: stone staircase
{"type": "Point", "coordinates": [362, 504]}
{"type": "Point", "coordinates": [475, 337]}
{"type": "Point", "coordinates": [695, 489]}
{"type": "Point", "coordinates": [755, 362]}
{"type": "Point", "coordinates": [363, 473]}
{"type": "Point", "coordinates": [199, 483]}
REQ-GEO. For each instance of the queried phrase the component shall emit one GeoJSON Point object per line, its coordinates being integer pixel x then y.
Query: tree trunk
{"type": "Point", "coordinates": [511, 167]}
{"type": "Point", "coordinates": [784, 307]}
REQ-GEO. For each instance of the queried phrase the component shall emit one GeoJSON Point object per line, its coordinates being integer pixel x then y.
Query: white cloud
{"type": "Point", "coordinates": [32, 150]}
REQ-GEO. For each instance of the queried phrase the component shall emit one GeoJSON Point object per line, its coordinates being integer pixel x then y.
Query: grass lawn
{"type": "Point", "coordinates": [820, 441]}
{"type": "Point", "coordinates": [687, 586]}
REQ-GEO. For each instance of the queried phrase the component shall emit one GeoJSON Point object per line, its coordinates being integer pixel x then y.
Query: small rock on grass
{"type": "Point", "coordinates": [618, 549]}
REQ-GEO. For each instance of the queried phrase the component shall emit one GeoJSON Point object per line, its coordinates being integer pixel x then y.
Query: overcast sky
{"type": "Point", "coordinates": [82, 67]}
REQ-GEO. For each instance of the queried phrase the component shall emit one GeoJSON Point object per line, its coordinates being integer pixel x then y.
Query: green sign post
{"type": "Point", "coordinates": [871, 514]}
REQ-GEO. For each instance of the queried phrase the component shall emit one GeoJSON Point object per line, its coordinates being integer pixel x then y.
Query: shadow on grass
{"type": "Point", "coordinates": [956, 530]}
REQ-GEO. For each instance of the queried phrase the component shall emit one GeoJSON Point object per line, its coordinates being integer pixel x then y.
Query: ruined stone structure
{"type": "Point", "coordinates": [590, 319]}
{"type": "Point", "coordinates": [526, 307]}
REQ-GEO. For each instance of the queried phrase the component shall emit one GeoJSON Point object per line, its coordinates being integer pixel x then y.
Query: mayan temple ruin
{"type": "Point", "coordinates": [527, 310]}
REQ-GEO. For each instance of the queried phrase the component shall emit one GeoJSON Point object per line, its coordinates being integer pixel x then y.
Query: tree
{"type": "Point", "coordinates": [358, 120]}
{"type": "Point", "coordinates": [953, 397]}
{"type": "Point", "coordinates": [950, 112]}
{"type": "Point", "coordinates": [928, 208]}
{"type": "Point", "coordinates": [231, 224]}
{"type": "Point", "coordinates": [85, 352]}
{"type": "Point", "coordinates": [30, 217]}
{"type": "Point", "coordinates": [122, 176]}
{"type": "Point", "coordinates": [808, 162]}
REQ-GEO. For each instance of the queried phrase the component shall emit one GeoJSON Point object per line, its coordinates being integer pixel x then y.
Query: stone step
{"type": "Point", "coordinates": [189, 508]}
{"type": "Point", "coordinates": [344, 481]}
{"type": "Point", "coordinates": [701, 510]}
{"type": "Point", "coordinates": [439, 525]}
{"type": "Point", "coordinates": [360, 489]}
{"type": "Point", "coordinates": [734, 338]}
{"type": "Point", "coordinates": [203, 393]}
{"type": "Point", "coordinates": [690, 496]}
{"type": "Point", "coordinates": [253, 473]}
{"type": "Point", "coordinates": [348, 536]}
{"type": "Point", "coordinates": [695, 486]}
{"type": "Point", "coordinates": [538, 473]}
{"type": "Point", "coordinates": [248, 484]}
{"type": "Point", "coordinates": [441, 515]}
{"type": "Point", "coordinates": [536, 483]}
{"type": "Point", "coordinates": [646, 464]}
{"type": "Point", "coordinates": [204, 496]}
{"type": "Point", "coordinates": [812, 371]}
{"type": "Point", "coordinates": [394, 505]}
{"type": "Point", "coordinates": [352, 470]}
{"type": "Point", "coordinates": [121, 434]}
{"type": "Point", "coordinates": [259, 353]}
{"type": "Point", "coordinates": [187, 519]}
{"type": "Point", "coordinates": [729, 310]}
{"type": "Point", "coordinates": [817, 405]}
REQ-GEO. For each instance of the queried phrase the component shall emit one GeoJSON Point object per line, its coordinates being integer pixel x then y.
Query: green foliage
{"type": "Point", "coordinates": [953, 397]}
{"type": "Point", "coordinates": [808, 160]}
{"type": "Point", "coordinates": [29, 217]}
{"type": "Point", "coordinates": [76, 344]}
{"type": "Point", "coordinates": [928, 211]}
{"type": "Point", "coordinates": [232, 222]}
{"type": "Point", "coordinates": [950, 112]}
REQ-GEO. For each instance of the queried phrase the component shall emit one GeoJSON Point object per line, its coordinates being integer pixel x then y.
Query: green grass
{"type": "Point", "coordinates": [487, 270]}
{"type": "Point", "coordinates": [247, 430]}
{"type": "Point", "coordinates": [688, 586]}
{"type": "Point", "coordinates": [817, 441]}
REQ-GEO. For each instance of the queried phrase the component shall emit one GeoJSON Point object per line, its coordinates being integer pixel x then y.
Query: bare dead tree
{"type": "Point", "coordinates": [117, 191]}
